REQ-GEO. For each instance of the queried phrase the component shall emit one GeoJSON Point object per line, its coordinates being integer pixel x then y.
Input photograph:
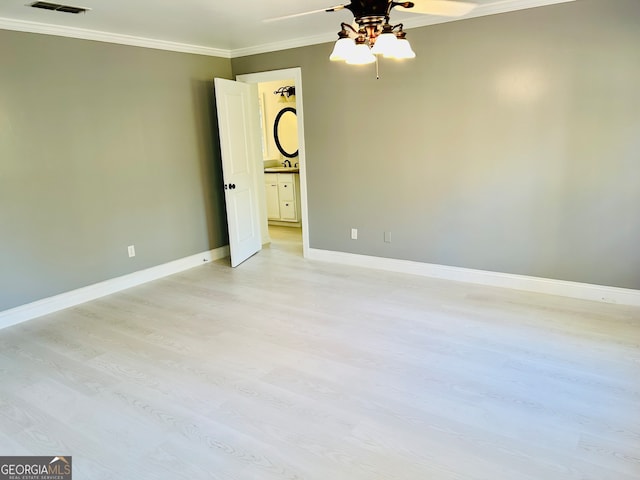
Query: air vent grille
{"type": "Point", "coordinates": [58, 8]}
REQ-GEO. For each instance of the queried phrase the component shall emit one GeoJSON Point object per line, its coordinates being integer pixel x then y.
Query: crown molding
{"type": "Point", "coordinates": [84, 34]}
{"type": "Point", "coordinates": [284, 45]}
{"type": "Point", "coordinates": [500, 6]}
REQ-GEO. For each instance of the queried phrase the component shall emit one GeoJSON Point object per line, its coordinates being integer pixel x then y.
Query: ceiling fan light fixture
{"type": "Point", "coordinates": [386, 44]}
{"type": "Point", "coordinates": [361, 53]}
{"type": "Point", "coordinates": [372, 35]}
{"type": "Point", "coordinates": [403, 48]}
{"type": "Point", "coordinates": [343, 49]}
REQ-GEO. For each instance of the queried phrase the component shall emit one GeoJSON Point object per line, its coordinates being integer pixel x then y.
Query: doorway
{"type": "Point", "coordinates": [278, 109]}
{"type": "Point", "coordinates": [275, 233]}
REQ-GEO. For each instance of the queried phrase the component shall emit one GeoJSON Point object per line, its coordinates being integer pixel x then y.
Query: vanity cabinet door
{"type": "Point", "coordinates": [288, 211]}
{"type": "Point", "coordinates": [273, 201]}
{"type": "Point", "coordinates": [286, 191]}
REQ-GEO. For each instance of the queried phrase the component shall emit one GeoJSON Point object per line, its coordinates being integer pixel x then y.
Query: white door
{"type": "Point", "coordinates": [238, 124]}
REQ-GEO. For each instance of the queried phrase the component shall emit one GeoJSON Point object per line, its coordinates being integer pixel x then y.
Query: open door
{"type": "Point", "coordinates": [238, 124]}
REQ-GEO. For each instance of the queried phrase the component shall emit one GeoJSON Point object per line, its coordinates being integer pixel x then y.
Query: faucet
{"type": "Point", "coordinates": [286, 163]}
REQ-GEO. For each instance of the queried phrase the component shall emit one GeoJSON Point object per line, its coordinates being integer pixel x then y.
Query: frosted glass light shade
{"type": "Point", "coordinates": [361, 55]}
{"type": "Point", "coordinates": [403, 50]}
{"type": "Point", "coordinates": [386, 44]}
{"type": "Point", "coordinates": [343, 49]}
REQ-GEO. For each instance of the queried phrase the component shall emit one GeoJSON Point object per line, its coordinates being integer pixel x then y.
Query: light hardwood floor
{"type": "Point", "coordinates": [285, 368]}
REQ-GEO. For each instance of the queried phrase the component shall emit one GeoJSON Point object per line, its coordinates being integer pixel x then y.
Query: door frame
{"type": "Point", "coordinates": [296, 75]}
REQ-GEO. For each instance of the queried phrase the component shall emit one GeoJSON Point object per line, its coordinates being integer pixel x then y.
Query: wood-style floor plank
{"type": "Point", "coordinates": [285, 368]}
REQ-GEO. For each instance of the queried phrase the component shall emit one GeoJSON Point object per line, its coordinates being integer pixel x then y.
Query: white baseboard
{"type": "Point", "coordinates": [81, 295]}
{"type": "Point", "coordinates": [563, 288]}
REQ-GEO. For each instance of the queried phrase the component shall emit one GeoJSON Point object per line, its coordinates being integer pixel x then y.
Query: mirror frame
{"type": "Point", "coordinates": [275, 132]}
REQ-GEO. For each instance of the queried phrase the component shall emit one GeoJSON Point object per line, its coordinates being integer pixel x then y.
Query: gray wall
{"type": "Point", "coordinates": [511, 144]}
{"type": "Point", "coordinates": [102, 146]}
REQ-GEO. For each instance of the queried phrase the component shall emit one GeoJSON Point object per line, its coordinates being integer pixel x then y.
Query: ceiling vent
{"type": "Point", "coordinates": [58, 8]}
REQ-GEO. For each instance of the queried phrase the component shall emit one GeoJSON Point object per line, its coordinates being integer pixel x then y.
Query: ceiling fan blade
{"type": "Point", "coordinates": [296, 15]}
{"type": "Point", "coordinates": [444, 8]}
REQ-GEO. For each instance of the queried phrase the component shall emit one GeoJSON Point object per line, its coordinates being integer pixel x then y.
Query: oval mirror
{"type": "Point", "coordinates": [285, 132]}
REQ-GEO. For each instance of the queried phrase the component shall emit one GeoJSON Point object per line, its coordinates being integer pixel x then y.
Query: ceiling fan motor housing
{"type": "Point", "coordinates": [372, 13]}
{"type": "Point", "coordinates": [369, 8]}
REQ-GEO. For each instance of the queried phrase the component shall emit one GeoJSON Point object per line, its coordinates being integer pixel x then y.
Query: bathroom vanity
{"type": "Point", "coordinates": [282, 186]}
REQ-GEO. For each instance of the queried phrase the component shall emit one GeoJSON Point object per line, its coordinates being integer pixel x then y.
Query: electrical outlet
{"type": "Point", "coordinates": [132, 250]}
{"type": "Point", "coordinates": [387, 237]}
{"type": "Point", "coordinates": [354, 234]}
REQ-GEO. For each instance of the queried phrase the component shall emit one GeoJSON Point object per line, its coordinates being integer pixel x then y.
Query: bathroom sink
{"type": "Point", "coordinates": [281, 170]}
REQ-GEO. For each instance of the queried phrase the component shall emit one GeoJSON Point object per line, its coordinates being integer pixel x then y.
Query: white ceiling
{"type": "Point", "coordinates": [214, 27]}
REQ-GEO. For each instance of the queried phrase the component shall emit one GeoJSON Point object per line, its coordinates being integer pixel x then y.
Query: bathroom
{"type": "Point", "coordinates": [280, 153]}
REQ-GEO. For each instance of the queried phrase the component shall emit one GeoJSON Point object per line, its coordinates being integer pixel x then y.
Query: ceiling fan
{"type": "Point", "coordinates": [372, 34]}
